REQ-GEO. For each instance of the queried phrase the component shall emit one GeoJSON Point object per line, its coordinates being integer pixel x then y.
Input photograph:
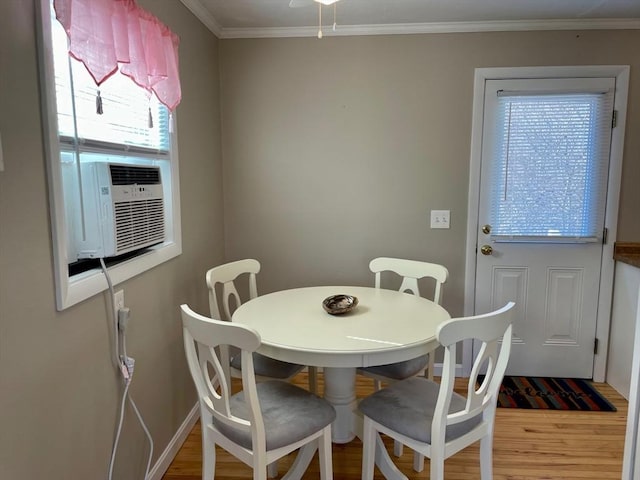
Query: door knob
{"type": "Point", "coordinates": [486, 249]}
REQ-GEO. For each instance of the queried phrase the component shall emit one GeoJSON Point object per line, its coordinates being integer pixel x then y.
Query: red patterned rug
{"type": "Point", "coordinates": [552, 393]}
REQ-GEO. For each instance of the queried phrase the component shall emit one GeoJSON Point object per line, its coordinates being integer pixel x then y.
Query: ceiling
{"type": "Point", "coordinates": [274, 18]}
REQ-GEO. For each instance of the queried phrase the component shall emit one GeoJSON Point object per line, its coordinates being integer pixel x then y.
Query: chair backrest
{"type": "Point", "coordinates": [494, 331]}
{"type": "Point", "coordinates": [411, 271]}
{"type": "Point", "coordinates": [226, 275]}
{"type": "Point", "coordinates": [201, 337]}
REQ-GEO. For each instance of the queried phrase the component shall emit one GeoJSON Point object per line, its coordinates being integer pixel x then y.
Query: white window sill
{"type": "Point", "coordinates": [90, 283]}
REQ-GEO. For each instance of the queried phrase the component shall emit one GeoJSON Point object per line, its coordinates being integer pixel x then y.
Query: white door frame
{"type": "Point", "coordinates": [621, 74]}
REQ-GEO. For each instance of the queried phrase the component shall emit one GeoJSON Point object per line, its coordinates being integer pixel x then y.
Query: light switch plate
{"type": "Point", "coordinates": [440, 218]}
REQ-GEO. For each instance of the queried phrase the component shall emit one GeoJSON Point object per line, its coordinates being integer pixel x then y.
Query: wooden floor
{"type": "Point", "coordinates": [528, 445]}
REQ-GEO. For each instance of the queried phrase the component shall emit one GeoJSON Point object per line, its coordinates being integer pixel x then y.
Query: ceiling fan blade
{"type": "Point", "coordinates": [301, 3]}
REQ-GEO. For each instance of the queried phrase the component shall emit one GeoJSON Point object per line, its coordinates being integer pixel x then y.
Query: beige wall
{"type": "Point", "coordinates": [336, 150]}
{"type": "Point", "coordinates": [59, 393]}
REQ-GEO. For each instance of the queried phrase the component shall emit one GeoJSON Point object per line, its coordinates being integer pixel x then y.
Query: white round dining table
{"type": "Point", "coordinates": [387, 326]}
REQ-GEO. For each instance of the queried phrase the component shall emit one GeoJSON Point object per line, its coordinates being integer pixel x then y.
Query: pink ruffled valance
{"type": "Point", "coordinates": [112, 35]}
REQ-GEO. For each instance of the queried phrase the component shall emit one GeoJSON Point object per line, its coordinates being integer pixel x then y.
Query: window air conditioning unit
{"type": "Point", "coordinates": [123, 209]}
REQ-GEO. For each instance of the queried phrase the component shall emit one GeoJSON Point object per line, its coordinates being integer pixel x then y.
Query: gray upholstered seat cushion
{"type": "Point", "coordinates": [268, 367]}
{"type": "Point", "coordinates": [290, 414]}
{"type": "Point", "coordinates": [407, 407]}
{"type": "Point", "coordinates": [400, 370]}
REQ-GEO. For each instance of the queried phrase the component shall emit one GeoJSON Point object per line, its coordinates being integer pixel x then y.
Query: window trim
{"type": "Point", "coordinates": [72, 290]}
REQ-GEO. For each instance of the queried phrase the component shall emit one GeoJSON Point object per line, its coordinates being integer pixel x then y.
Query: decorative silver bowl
{"type": "Point", "coordinates": [339, 304]}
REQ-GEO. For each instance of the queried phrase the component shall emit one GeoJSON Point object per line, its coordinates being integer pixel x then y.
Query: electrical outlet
{"type": "Point", "coordinates": [118, 299]}
{"type": "Point", "coordinates": [440, 218]}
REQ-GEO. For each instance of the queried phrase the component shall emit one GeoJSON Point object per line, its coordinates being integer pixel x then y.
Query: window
{"type": "Point", "coordinates": [550, 177]}
{"type": "Point", "coordinates": [115, 123]}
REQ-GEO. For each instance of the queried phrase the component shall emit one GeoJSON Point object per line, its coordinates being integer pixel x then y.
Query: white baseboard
{"type": "Point", "coordinates": [169, 453]}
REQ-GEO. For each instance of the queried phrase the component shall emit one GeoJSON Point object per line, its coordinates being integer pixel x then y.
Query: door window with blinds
{"type": "Point", "coordinates": [94, 130]}
{"type": "Point", "coordinates": [552, 151]}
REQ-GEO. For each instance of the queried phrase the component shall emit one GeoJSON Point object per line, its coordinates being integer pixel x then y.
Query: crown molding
{"type": "Point", "coordinates": [440, 27]}
{"type": "Point", "coordinates": [210, 22]}
{"type": "Point", "coordinates": [204, 16]}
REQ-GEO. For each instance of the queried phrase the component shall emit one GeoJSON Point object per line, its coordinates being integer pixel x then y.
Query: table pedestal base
{"type": "Point", "coordinates": [339, 391]}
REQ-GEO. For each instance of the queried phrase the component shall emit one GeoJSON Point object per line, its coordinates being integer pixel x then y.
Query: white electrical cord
{"type": "Point", "coordinates": [114, 311]}
{"type": "Point", "coordinates": [135, 409]}
{"type": "Point", "coordinates": [114, 449]}
{"type": "Point", "coordinates": [125, 365]}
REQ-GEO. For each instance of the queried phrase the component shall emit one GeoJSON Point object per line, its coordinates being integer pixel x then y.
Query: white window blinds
{"type": "Point", "coordinates": [551, 175]}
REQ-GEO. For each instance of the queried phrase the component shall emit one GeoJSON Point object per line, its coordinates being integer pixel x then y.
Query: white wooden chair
{"type": "Point", "coordinates": [265, 368]}
{"type": "Point", "coordinates": [263, 422]}
{"type": "Point", "coordinates": [432, 419]}
{"type": "Point", "coordinates": [411, 271]}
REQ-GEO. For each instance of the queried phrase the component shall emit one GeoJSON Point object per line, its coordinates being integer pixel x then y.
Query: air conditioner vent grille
{"type": "Point", "coordinates": [139, 224]}
{"type": "Point", "coordinates": [134, 175]}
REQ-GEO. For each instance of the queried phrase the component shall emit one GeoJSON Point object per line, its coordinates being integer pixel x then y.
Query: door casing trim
{"type": "Point", "coordinates": [621, 74]}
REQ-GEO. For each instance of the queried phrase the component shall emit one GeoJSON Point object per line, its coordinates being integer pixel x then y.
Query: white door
{"type": "Point", "coordinates": [544, 170]}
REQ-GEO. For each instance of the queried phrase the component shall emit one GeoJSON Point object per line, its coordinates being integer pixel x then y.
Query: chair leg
{"type": "Point", "coordinates": [259, 474]}
{"type": "Point", "coordinates": [301, 462]}
{"type": "Point", "coordinates": [431, 365]}
{"type": "Point", "coordinates": [486, 457]}
{"type": "Point", "coordinates": [272, 470]}
{"type": "Point", "coordinates": [324, 455]}
{"type": "Point", "coordinates": [260, 467]}
{"type": "Point", "coordinates": [418, 459]}
{"type": "Point", "coordinates": [437, 469]}
{"type": "Point", "coordinates": [384, 463]}
{"type": "Point", "coordinates": [418, 462]}
{"type": "Point", "coordinates": [208, 456]}
{"type": "Point", "coordinates": [368, 449]}
{"type": "Point", "coordinates": [397, 448]}
{"type": "Point", "coordinates": [313, 379]}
